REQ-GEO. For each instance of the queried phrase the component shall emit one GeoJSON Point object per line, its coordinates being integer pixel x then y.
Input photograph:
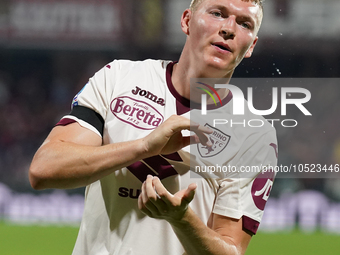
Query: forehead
{"type": "Point", "coordinates": [240, 7]}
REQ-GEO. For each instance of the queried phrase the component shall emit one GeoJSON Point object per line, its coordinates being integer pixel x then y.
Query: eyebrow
{"type": "Point", "coordinates": [243, 17]}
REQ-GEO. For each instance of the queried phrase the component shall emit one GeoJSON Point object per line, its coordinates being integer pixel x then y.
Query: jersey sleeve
{"type": "Point", "coordinates": [90, 105]}
{"type": "Point", "coordinates": [246, 195]}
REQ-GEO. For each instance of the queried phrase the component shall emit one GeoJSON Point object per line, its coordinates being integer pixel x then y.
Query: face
{"type": "Point", "coordinates": [221, 33]}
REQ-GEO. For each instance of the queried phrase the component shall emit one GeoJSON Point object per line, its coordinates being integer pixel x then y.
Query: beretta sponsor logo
{"type": "Point", "coordinates": [136, 113]}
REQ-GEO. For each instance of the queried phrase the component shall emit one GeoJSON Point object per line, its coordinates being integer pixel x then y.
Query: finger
{"type": "Point", "coordinates": [200, 128]}
{"type": "Point", "coordinates": [146, 202]}
{"type": "Point", "coordinates": [144, 194]}
{"type": "Point", "coordinates": [178, 123]}
{"type": "Point", "coordinates": [163, 193]}
{"type": "Point", "coordinates": [189, 193]}
{"type": "Point", "coordinates": [147, 212]}
{"type": "Point", "coordinates": [194, 139]}
{"type": "Point", "coordinates": [149, 188]}
{"type": "Point", "coordinates": [187, 140]}
{"type": "Point", "coordinates": [142, 207]}
{"type": "Point", "coordinates": [140, 201]}
{"type": "Point", "coordinates": [203, 139]}
{"type": "Point", "coordinates": [201, 134]}
{"type": "Point", "coordinates": [157, 205]}
{"type": "Point", "coordinates": [156, 199]}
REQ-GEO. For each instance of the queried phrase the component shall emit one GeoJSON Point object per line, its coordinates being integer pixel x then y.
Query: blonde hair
{"type": "Point", "coordinates": [195, 3]}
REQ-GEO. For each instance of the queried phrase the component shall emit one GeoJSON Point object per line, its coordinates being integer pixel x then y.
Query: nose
{"type": "Point", "coordinates": [227, 30]}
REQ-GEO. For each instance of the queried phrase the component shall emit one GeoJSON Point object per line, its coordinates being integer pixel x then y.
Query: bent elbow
{"type": "Point", "coordinates": [36, 179]}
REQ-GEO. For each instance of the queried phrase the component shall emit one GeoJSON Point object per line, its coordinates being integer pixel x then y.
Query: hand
{"type": "Point", "coordinates": [167, 137]}
{"type": "Point", "coordinates": [157, 202]}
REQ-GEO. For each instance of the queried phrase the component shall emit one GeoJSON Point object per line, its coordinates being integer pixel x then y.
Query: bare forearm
{"type": "Point", "coordinates": [69, 165]}
{"type": "Point", "coordinates": [198, 239]}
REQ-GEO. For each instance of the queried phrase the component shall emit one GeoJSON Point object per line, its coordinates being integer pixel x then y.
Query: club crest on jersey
{"type": "Point", "coordinates": [219, 141]}
{"type": "Point", "coordinates": [136, 113]}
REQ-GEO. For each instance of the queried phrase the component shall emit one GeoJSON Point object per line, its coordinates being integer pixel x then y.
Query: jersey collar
{"type": "Point", "coordinates": [183, 104]}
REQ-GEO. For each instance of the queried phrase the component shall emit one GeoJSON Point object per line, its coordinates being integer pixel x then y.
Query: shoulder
{"type": "Point", "coordinates": [124, 64]}
{"type": "Point", "coordinates": [122, 69]}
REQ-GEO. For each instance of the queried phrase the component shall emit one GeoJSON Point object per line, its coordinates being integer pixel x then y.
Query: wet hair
{"type": "Point", "coordinates": [195, 3]}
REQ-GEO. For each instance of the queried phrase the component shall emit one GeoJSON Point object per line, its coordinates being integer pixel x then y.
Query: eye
{"type": "Point", "coordinates": [246, 25]}
{"type": "Point", "coordinates": [216, 14]}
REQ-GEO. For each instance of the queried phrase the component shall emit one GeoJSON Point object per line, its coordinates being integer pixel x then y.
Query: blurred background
{"type": "Point", "coordinates": [49, 49]}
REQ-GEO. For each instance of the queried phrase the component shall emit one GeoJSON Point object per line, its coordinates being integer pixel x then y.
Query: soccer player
{"type": "Point", "coordinates": [125, 141]}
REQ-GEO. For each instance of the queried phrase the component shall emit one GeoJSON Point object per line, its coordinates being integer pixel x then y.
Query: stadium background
{"type": "Point", "coordinates": [49, 49]}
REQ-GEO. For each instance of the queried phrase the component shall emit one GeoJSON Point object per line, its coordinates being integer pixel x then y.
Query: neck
{"type": "Point", "coordinates": [186, 69]}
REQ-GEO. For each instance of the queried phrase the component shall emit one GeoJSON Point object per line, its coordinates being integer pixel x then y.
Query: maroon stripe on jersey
{"type": "Point", "coordinates": [174, 156]}
{"type": "Point", "coordinates": [140, 170]}
{"type": "Point", "coordinates": [65, 122]}
{"type": "Point", "coordinates": [183, 104]}
{"type": "Point", "coordinates": [250, 224]}
{"type": "Point", "coordinates": [161, 166]}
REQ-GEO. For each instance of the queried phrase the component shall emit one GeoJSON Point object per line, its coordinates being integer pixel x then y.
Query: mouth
{"type": "Point", "coordinates": [222, 46]}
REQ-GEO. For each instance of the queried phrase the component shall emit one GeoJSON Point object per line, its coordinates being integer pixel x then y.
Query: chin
{"type": "Point", "coordinates": [218, 70]}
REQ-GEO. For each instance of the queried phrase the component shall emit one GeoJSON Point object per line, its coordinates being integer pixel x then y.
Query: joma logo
{"type": "Point", "coordinates": [148, 95]}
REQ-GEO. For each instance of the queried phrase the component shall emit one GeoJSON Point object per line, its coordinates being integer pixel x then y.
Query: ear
{"type": "Point", "coordinates": [251, 49]}
{"type": "Point", "coordinates": [186, 16]}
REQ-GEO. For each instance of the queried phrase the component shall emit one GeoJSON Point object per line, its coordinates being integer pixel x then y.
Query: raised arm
{"type": "Point", "coordinates": [73, 156]}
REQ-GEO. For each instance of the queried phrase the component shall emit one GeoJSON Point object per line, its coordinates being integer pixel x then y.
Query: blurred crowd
{"type": "Point", "coordinates": [34, 94]}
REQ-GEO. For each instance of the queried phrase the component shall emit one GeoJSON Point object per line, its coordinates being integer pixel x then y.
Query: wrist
{"type": "Point", "coordinates": [183, 220]}
{"type": "Point", "coordinates": [147, 148]}
{"type": "Point", "coordinates": [143, 149]}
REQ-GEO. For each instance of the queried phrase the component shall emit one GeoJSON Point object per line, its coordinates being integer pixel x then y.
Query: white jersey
{"type": "Point", "coordinates": [125, 101]}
